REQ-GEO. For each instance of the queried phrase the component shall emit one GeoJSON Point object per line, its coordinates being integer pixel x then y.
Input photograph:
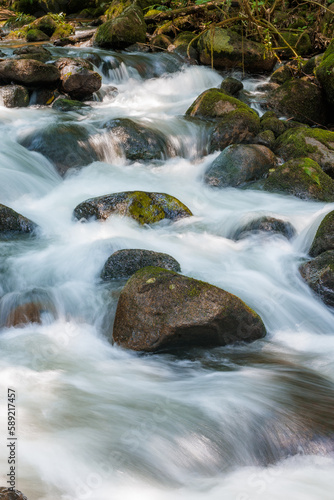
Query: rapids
{"type": "Point", "coordinates": [96, 422]}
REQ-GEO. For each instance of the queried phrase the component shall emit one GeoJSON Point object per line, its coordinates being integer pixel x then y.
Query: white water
{"type": "Point", "coordinates": [97, 422]}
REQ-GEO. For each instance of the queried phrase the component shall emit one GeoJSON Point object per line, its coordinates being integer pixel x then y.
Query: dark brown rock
{"type": "Point", "coordinates": [324, 238]}
{"type": "Point", "coordinates": [77, 78]}
{"type": "Point", "coordinates": [266, 224]}
{"type": "Point", "coordinates": [124, 263]}
{"type": "Point", "coordinates": [8, 494]}
{"type": "Point", "coordinates": [162, 310]}
{"type": "Point", "coordinates": [319, 275]}
{"type": "Point", "coordinates": [13, 222]}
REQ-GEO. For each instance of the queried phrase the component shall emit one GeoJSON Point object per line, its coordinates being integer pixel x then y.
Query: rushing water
{"type": "Point", "coordinates": [97, 422]}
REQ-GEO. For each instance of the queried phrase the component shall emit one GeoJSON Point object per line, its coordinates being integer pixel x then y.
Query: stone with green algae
{"type": "Point", "coordinates": [324, 238]}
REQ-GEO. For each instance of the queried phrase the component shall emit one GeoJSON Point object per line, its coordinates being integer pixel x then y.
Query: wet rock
{"type": "Point", "coordinates": [14, 96]}
{"type": "Point", "coordinates": [24, 314]}
{"type": "Point", "coordinates": [303, 178]}
{"type": "Point", "coordinates": [269, 121]}
{"type": "Point", "coordinates": [300, 100]}
{"type": "Point", "coordinates": [66, 145]}
{"type": "Point", "coordinates": [43, 97]}
{"type": "Point", "coordinates": [160, 42]}
{"type": "Point", "coordinates": [319, 275]}
{"type": "Point", "coordinates": [123, 31]}
{"type": "Point", "coordinates": [63, 104]}
{"type": "Point", "coordinates": [138, 142]}
{"type": "Point", "coordinates": [229, 50]}
{"type": "Point", "coordinates": [28, 72]}
{"type": "Point", "coordinates": [125, 263]}
{"type": "Point", "coordinates": [161, 310]}
{"type": "Point", "coordinates": [145, 208]}
{"type": "Point", "coordinates": [9, 494]}
{"type": "Point", "coordinates": [13, 222]}
{"type": "Point", "coordinates": [311, 64]}
{"type": "Point", "coordinates": [34, 35]}
{"type": "Point", "coordinates": [33, 52]}
{"type": "Point", "coordinates": [265, 138]}
{"type": "Point", "coordinates": [239, 164]}
{"type": "Point", "coordinates": [266, 224]}
{"type": "Point", "coordinates": [77, 78]}
{"type": "Point", "coordinates": [314, 143]}
{"type": "Point", "coordinates": [238, 126]}
{"type": "Point", "coordinates": [231, 86]}
{"type": "Point", "coordinates": [324, 238]}
{"type": "Point", "coordinates": [300, 42]}
{"type": "Point", "coordinates": [214, 103]}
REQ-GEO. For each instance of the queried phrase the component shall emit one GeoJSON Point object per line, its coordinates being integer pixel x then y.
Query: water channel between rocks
{"type": "Point", "coordinates": [98, 422]}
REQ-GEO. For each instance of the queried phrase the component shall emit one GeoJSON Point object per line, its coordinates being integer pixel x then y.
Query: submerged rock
{"type": "Point", "coordinates": [303, 178]}
{"type": "Point", "coordinates": [123, 31]}
{"type": "Point", "coordinates": [300, 100]}
{"type": "Point", "coordinates": [63, 104]}
{"type": "Point", "coordinates": [13, 222]}
{"type": "Point", "coordinates": [324, 238]}
{"type": "Point", "coordinates": [145, 208]}
{"type": "Point", "coordinates": [319, 275]}
{"type": "Point", "coordinates": [228, 49]}
{"type": "Point", "coordinates": [162, 310]}
{"type": "Point", "coordinates": [77, 78]}
{"type": "Point", "coordinates": [125, 263]}
{"type": "Point", "coordinates": [9, 494]}
{"type": "Point", "coordinates": [66, 145]}
{"type": "Point", "coordinates": [239, 126]}
{"type": "Point", "coordinates": [28, 72]}
{"type": "Point", "coordinates": [14, 96]}
{"type": "Point", "coordinates": [25, 314]}
{"type": "Point", "coordinates": [314, 143]}
{"type": "Point", "coordinates": [239, 164]}
{"type": "Point", "coordinates": [139, 142]}
{"type": "Point", "coordinates": [266, 224]}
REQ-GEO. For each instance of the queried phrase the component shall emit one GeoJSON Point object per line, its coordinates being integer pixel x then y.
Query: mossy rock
{"type": "Point", "coordinates": [124, 263]}
{"type": "Point", "coordinates": [312, 64]}
{"type": "Point", "coordinates": [325, 75]}
{"type": "Point", "coordinates": [231, 86]}
{"type": "Point", "coordinates": [12, 222]}
{"type": "Point", "coordinates": [265, 138]}
{"type": "Point", "coordinates": [324, 238]}
{"type": "Point", "coordinates": [300, 42]}
{"type": "Point", "coordinates": [228, 50]}
{"type": "Point", "coordinates": [314, 143]}
{"type": "Point", "coordinates": [301, 100]}
{"type": "Point", "coordinates": [269, 121]}
{"type": "Point", "coordinates": [116, 8]}
{"type": "Point", "coordinates": [239, 164]}
{"type": "Point", "coordinates": [145, 208]}
{"type": "Point", "coordinates": [36, 36]}
{"type": "Point", "coordinates": [46, 24]}
{"type": "Point", "coordinates": [214, 103]}
{"type": "Point", "coordinates": [63, 31]}
{"type": "Point", "coordinates": [160, 310]}
{"type": "Point", "coordinates": [123, 31]}
{"type": "Point", "coordinates": [184, 38]}
{"type": "Point", "coordinates": [239, 126]}
{"type": "Point", "coordinates": [302, 178]}
{"type": "Point", "coordinates": [281, 75]}
{"type": "Point", "coordinates": [319, 275]}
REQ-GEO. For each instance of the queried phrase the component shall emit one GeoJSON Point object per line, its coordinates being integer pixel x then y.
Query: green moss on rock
{"type": "Point", "coordinates": [241, 125]}
{"type": "Point", "coordinates": [214, 103]}
{"type": "Point", "coordinates": [63, 31]}
{"type": "Point", "coordinates": [325, 75]}
{"type": "Point", "coordinates": [324, 238]}
{"type": "Point", "coordinates": [35, 35]}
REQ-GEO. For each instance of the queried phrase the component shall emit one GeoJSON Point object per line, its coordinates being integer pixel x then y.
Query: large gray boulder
{"type": "Point", "coordinates": [161, 310]}
{"type": "Point", "coordinates": [145, 208]}
{"type": "Point", "coordinates": [124, 263]}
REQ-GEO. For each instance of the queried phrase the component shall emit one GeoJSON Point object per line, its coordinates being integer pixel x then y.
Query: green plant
{"type": "Point", "coordinates": [59, 18]}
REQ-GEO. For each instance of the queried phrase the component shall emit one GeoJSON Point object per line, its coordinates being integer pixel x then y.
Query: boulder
{"type": "Point", "coordinates": [314, 143]}
{"type": "Point", "coordinates": [123, 31]}
{"type": "Point", "coordinates": [63, 104]}
{"type": "Point", "coordinates": [9, 494]}
{"type": "Point", "coordinates": [138, 142]}
{"type": "Point", "coordinates": [325, 75]}
{"type": "Point", "coordinates": [301, 100]}
{"type": "Point", "coordinates": [310, 66]}
{"type": "Point", "coordinates": [239, 164]}
{"type": "Point", "coordinates": [303, 178]}
{"type": "Point", "coordinates": [125, 263]}
{"type": "Point", "coordinates": [77, 78]}
{"type": "Point", "coordinates": [116, 8]}
{"type": "Point", "coordinates": [62, 32]}
{"type": "Point", "coordinates": [28, 72]}
{"type": "Point", "coordinates": [301, 42]}
{"type": "Point", "coordinates": [34, 35]}
{"type": "Point", "coordinates": [265, 224]}
{"type": "Point", "coordinates": [265, 138]}
{"type": "Point", "coordinates": [13, 222]}
{"type": "Point", "coordinates": [14, 96]}
{"type": "Point", "coordinates": [238, 126]}
{"type": "Point", "coordinates": [228, 50]}
{"type": "Point", "coordinates": [214, 103]}
{"type": "Point", "coordinates": [46, 24]}
{"type": "Point", "coordinates": [324, 238]}
{"type": "Point", "coordinates": [231, 86]}
{"type": "Point", "coordinates": [66, 145]}
{"type": "Point", "coordinates": [33, 52]}
{"type": "Point", "coordinates": [269, 121]}
{"type": "Point", "coordinates": [282, 74]}
{"type": "Point", "coordinates": [319, 275]}
{"type": "Point", "coordinates": [145, 208]}
{"type": "Point", "coordinates": [161, 310]}
{"type": "Point", "coordinates": [43, 97]}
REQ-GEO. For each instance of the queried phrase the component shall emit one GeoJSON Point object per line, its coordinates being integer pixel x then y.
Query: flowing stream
{"type": "Point", "coordinates": [97, 422]}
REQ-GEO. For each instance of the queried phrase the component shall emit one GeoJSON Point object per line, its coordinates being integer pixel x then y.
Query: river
{"type": "Point", "coordinates": [97, 422]}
